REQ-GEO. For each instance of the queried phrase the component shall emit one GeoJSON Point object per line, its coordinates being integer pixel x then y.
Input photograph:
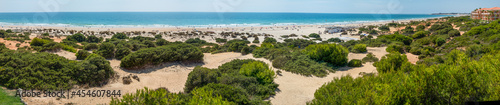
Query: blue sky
{"type": "Point", "coordinates": [315, 6]}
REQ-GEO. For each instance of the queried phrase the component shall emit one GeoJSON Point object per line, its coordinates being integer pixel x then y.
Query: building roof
{"type": "Point", "coordinates": [494, 8]}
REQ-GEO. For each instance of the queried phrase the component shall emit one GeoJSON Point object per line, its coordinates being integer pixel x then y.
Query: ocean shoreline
{"type": "Point", "coordinates": [191, 28]}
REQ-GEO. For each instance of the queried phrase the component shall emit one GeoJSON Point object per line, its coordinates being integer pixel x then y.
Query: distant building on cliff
{"type": "Point", "coordinates": [486, 13]}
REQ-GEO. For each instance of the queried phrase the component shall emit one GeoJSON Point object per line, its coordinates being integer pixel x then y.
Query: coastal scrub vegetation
{"type": "Point", "coordinates": [26, 70]}
{"type": "Point", "coordinates": [453, 68]}
{"type": "Point", "coordinates": [242, 82]}
{"type": "Point", "coordinates": [291, 56]}
{"type": "Point", "coordinates": [162, 54]}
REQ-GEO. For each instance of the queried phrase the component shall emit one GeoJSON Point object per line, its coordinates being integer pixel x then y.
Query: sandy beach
{"type": "Point", "coordinates": [173, 33]}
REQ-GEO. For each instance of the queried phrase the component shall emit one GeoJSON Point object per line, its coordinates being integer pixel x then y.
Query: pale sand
{"type": "Point", "coordinates": [12, 44]}
{"type": "Point", "coordinates": [66, 54]}
{"type": "Point", "coordinates": [412, 58]}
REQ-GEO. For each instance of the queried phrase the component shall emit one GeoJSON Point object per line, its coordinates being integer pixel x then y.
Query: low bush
{"type": "Point", "coordinates": [359, 48]}
{"type": "Point", "coordinates": [161, 42]}
{"type": "Point", "coordinates": [269, 40]}
{"type": "Point", "coordinates": [420, 34]}
{"type": "Point", "coordinates": [355, 63]}
{"type": "Point", "coordinates": [314, 35]}
{"type": "Point", "coordinates": [256, 40]}
{"type": "Point", "coordinates": [370, 58]}
{"type": "Point", "coordinates": [106, 50]}
{"type": "Point", "coordinates": [119, 36]}
{"type": "Point", "coordinates": [336, 40]}
{"type": "Point", "coordinates": [28, 70]}
{"type": "Point", "coordinates": [219, 40]}
{"type": "Point", "coordinates": [91, 46]}
{"type": "Point", "coordinates": [158, 55]}
{"type": "Point", "coordinates": [121, 51]}
{"type": "Point", "coordinates": [395, 48]}
{"type": "Point", "coordinates": [151, 97]}
{"type": "Point", "coordinates": [439, 41]}
{"type": "Point", "coordinates": [334, 54]}
{"type": "Point", "coordinates": [392, 62]}
{"type": "Point", "coordinates": [82, 54]}
{"type": "Point", "coordinates": [238, 81]}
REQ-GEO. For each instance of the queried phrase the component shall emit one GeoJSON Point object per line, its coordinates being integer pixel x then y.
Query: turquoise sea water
{"type": "Point", "coordinates": [192, 19]}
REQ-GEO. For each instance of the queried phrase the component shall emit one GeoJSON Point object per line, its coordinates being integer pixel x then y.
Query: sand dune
{"type": "Point", "coordinates": [294, 89]}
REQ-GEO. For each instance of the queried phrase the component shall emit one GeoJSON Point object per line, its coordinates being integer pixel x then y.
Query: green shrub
{"type": "Point", "coordinates": [384, 28]}
{"type": "Point", "coordinates": [391, 62]}
{"type": "Point", "coordinates": [94, 39]}
{"type": "Point", "coordinates": [408, 30]}
{"type": "Point", "coordinates": [370, 58]}
{"type": "Point", "coordinates": [200, 77]}
{"type": "Point", "coordinates": [106, 50]}
{"type": "Point", "coordinates": [245, 50]}
{"type": "Point", "coordinates": [454, 33]}
{"type": "Point", "coordinates": [355, 63]}
{"type": "Point", "coordinates": [161, 42]}
{"type": "Point", "coordinates": [204, 97]}
{"type": "Point", "coordinates": [440, 41]}
{"type": "Point", "coordinates": [236, 45]}
{"type": "Point", "coordinates": [163, 54]}
{"type": "Point", "coordinates": [78, 37]}
{"type": "Point", "coordinates": [256, 40]}
{"type": "Point", "coordinates": [397, 37]}
{"type": "Point", "coordinates": [39, 42]}
{"type": "Point", "coordinates": [231, 93]}
{"type": "Point", "coordinates": [337, 40]}
{"type": "Point", "coordinates": [260, 70]}
{"type": "Point", "coordinates": [28, 70]}
{"type": "Point", "coordinates": [158, 36]}
{"type": "Point", "coordinates": [332, 53]}
{"type": "Point", "coordinates": [119, 36]}
{"type": "Point", "coordinates": [151, 97]}
{"type": "Point", "coordinates": [300, 43]}
{"type": "Point", "coordinates": [219, 40]}
{"type": "Point", "coordinates": [95, 70]}
{"type": "Point", "coordinates": [269, 40]}
{"type": "Point", "coordinates": [196, 41]}
{"type": "Point", "coordinates": [122, 51]}
{"type": "Point", "coordinates": [359, 48]}
{"type": "Point", "coordinates": [227, 82]}
{"type": "Point", "coordinates": [314, 35]}
{"type": "Point", "coordinates": [149, 43]}
{"type": "Point", "coordinates": [395, 48]}
{"type": "Point", "coordinates": [68, 48]}
{"type": "Point", "coordinates": [91, 46]}
{"type": "Point", "coordinates": [458, 84]}
{"type": "Point", "coordinates": [420, 28]}
{"type": "Point", "coordinates": [420, 34]}
{"type": "Point", "coordinates": [82, 54]}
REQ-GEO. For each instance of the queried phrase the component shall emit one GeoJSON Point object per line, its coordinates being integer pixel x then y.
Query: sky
{"type": "Point", "coordinates": [301, 6]}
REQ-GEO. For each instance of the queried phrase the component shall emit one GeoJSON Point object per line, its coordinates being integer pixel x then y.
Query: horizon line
{"type": "Point", "coordinates": [219, 12]}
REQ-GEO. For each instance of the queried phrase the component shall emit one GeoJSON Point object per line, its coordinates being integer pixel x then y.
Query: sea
{"type": "Point", "coordinates": [194, 19]}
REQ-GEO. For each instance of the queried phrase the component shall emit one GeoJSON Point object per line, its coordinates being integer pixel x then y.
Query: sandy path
{"type": "Point", "coordinates": [66, 54]}
{"type": "Point", "coordinates": [12, 44]}
{"type": "Point", "coordinates": [412, 58]}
